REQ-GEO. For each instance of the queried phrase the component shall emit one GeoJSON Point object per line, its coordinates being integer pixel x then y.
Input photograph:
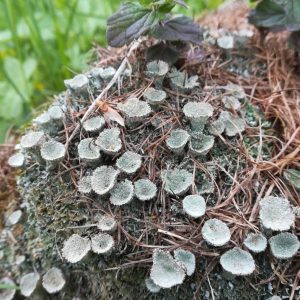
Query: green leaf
{"type": "Point", "coordinates": [181, 3]}
{"type": "Point", "coordinates": [293, 177]}
{"type": "Point", "coordinates": [271, 14]}
{"type": "Point", "coordinates": [129, 23]}
{"type": "Point", "coordinates": [15, 73]}
{"type": "Point", "coordinates": [178, 29]}
{"type": "Point", "coordinates": [11, 103]}
{"type": "Point", "coordinates": [29, 66]}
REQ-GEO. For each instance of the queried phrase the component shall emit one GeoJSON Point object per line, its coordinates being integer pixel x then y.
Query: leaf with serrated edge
{"type": "Point", "coordinates": [129, 23]}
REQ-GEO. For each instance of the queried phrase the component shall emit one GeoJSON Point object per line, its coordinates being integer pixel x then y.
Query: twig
{"type": "Point", "coordinates": [105, 90]}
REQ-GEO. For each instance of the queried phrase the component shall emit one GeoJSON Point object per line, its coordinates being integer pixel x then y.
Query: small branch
{"type": "Point", "coordinates": [105, 90]}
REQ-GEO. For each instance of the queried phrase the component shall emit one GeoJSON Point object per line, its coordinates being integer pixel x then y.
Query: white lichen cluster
{"type": "Point", "coordinates": [145, 189]}
{"type": "Point", "coordinates": [256, 242]}
{"type": "Point", "coordinates": [276, 213]}
{"type": "Point", "coordinates": [284, 245]}
{"type": "Point", "coordinates": [176, 181]}
{"type": "Point", "coordinates": [53, 281]}
{"type": "Point", "coordinates": [194, 205]}
{"type": "Point", "coordinates": [109, 141]}
{"type": "Point", "coordinates": [135, 111]}
{"type": "Point", "coordinates": [28, 283]}
{"type": "Point", "coordinates": [215, 232]}
{"type": "Point", "coordinates": [180, 81]}
{"type": "Point", "coordinates": [129, 162]}
{"type": "Point", "coordinates": [238, 262]}
{"type": "Point", "coordinates": [76, 247]}
{"type": "Point", "coordinates": [198, 113]}
{"type": "Point", "coordinates": [177, 140]}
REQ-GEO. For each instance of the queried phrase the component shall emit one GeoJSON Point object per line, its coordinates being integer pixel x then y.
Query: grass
{"type": "Point", "coordinates": [44, 42]}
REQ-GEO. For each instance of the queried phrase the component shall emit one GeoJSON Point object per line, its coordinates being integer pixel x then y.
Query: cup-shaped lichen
{"type": "Point", "coordinates": [215, 232]}
{"type": "Point", "coordinates": [89, 151]}
{"type": "Point", "coordinates": [177, 140]}
{"type": "Point", "coordinates": [194, 205]}
{"type": "Point", "coordinates": [129, 162]}
{"type": "Point", "coordinates": [180, 81]}
{"type": "Point", "coordinates": [166, 271]}
{"type": "Point", "coordinates": [102, 243]}
{"type": "Point", "coordinates": [187, 259]}
{"type": "Point", "coordinates": [256, 242]}
{"type": "Point", "coordinates": [10, 291]}
{"type": "Point", "coordinates": [200, 144]}
{"type": "Point", "coordinates": [235, 90]}
{"type": "Point", "coordinates": [28, 283]}
{"type": "Point", "coordinates": [106, 223]}
{"type": "Point", "coordinates": [231, 102]}
{"type": "Point", "coordinates": [276, 213]}
{"type": "Point", "coordinates": [43, 122]}
{"type": "Point", "coordinates": [135, 111]}
{"type": "Point", "coordinates": [85, 184]}
{"type": "Point", "coordinates": [237, 262]}
{"type": "Point", "coordinates": [76, 248]}
{"type": "Point", "coordinates": [53, 281]}
{"type": "Point", "coordinates": [78, 86]}
{"type": "Point", "coordinates": [122, 193]}
{"type": "Point", "coordinates": [95, 124]}
{"type": "Point", "coordinates": [104, 179]}
{"type": "Point", "coordinates": [157, 70]}
{"type": "Point", "coordinates": [17, 160]}
{"type": "Point", "coordinates": [284, 245]}
{"type": "Point", "coordinates": [145, 189]}
{"type": "Point", "coordinates": [217, 127]}
{"type": "Point", "coordinates": [107, 73]}
{"type": "Point", "coordinates": [151, 286]}
{"type": "Point", "coordinates": [32, 140]}
{"type": "Point", "coordinates": [109, 141]}
{"type": "Point", "coordinates": [233, 124]}
{"type": "Point", "coordinates": [198, 113]}
{"type": "Point", "coordinates": [53, 152]}
{"type": "Point", "coordinates": [176, 181]}
{"type": "Point", "coordinates": [155, 97]}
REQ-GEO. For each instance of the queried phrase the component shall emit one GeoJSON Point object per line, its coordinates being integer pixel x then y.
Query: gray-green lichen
{"type": "Point", "coordinates": [87, 200]}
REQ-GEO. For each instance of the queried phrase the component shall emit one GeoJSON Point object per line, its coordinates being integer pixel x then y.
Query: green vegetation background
{"type": "Point", "coordinates": [44, 42]}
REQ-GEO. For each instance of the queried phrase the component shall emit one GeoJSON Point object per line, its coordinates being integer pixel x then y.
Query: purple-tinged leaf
{"type": "Point", "coordinates": [164, 52]}
{"type": "Point", "coordinates": [178, 29]}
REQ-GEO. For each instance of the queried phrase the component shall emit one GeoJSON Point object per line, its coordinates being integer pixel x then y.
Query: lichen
{"type": "Point", "coordinates": [284, 245]}
{"type": "Point", "coordinates": [177, 140]}
{"type": "Point", "coordinates": [104, 179]}
{"type": "Point", "coordinates": [165, 271]}
{"type": "Point", "coordinates": [129, 162]}
{"type": "Point", "coordinates": [194, 205]}
{"type": "Point", "coordinates": [238, 262]}
{"type": "Point", "coordinates": [276, 213]}
{"type": "Point", "coordinates": [216, 232]}
{"type": "Point", "coordinates": [76, 248]}
{"type": "Point", "coordinates": [109, 141]}
{"type": "Point", "coordinates": [144, 189]}
{"type": "Point", "coordinates": [176, 181]}
{"type": "Point", "coordinates": [256, 242]}
{"type": "Point", "coordinates": [122, 193]}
